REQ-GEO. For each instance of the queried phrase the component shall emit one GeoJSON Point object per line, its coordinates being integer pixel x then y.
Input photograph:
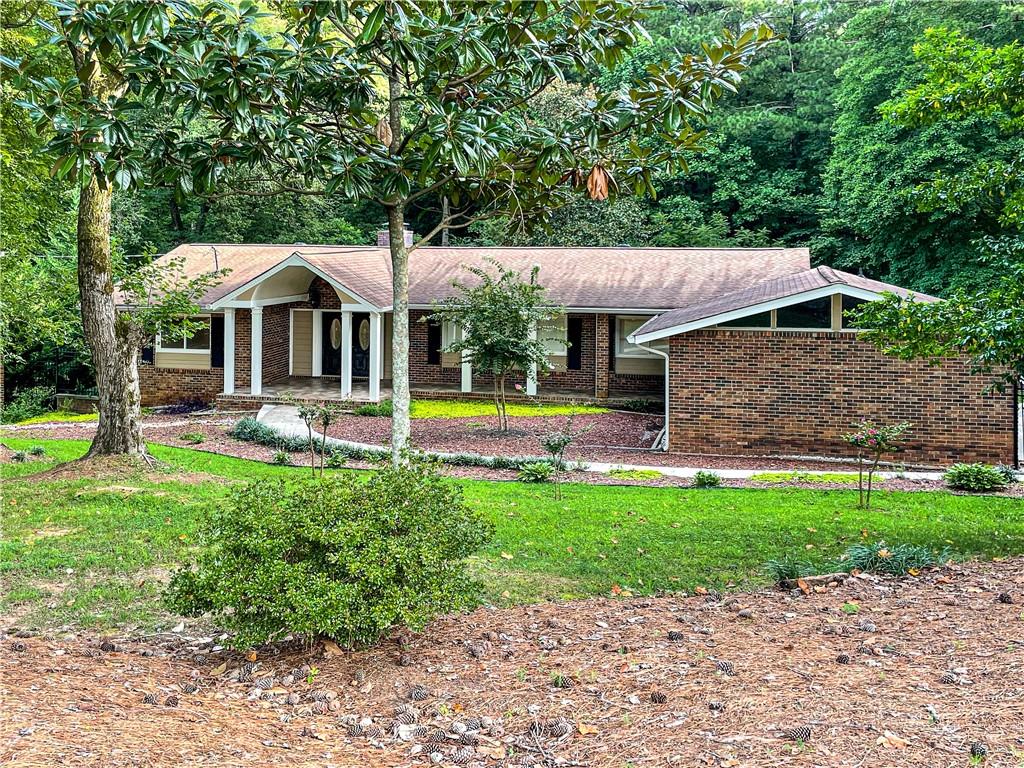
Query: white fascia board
{"type": "Point", "coordinates": [754, 309]}
{"type": "Point", "coordinates": [295, 260]}
{"type": "Point", "coordinates": [586, 310]}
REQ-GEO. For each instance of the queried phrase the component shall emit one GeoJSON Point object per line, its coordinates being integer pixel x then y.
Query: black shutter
{"type": "Point", "coordinates": [433, 343]}
{"type": "Point", "coordinates": [217, 341]}
{"type": "Point", "coordinates": [613, 339]}
{"type": "Point", "coordinates": [147, 353]}
{"type": "Point", "coordinates": [574, 335]}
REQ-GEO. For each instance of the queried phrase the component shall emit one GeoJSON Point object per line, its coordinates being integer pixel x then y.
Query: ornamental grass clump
{"type": "Point", "coordinates": [347, 557]}
{"type": "Point", "coordinates": [872, 442]}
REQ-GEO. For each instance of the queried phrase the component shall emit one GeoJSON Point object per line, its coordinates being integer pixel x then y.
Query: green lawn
{"type": "Point", "coordinates": [95, 552]}
{"type": "Point", "coordinates": [61, 416]}
{"type": "Point", "coordinates": [461, 409]}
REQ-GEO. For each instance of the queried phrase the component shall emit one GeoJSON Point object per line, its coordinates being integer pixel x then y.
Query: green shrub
{"type": "Point", "coordinates": [705, 479]}
{"type": "Point", "coordinates": [26, 403]}
{"type": "Point", "coordinates": [975, 477]}
{"type": "Point", "coordinates": [252, 431]}
{"type": "Point", "coordinates": [634, 474]}
{"type": "Point", "coordinates": [336, 461]}
{"type": "Point", "coordinates": [19, 457]}
{"type": "Point", "coordinates": [897, 560]}
{"type": "Point", "coordinates": [383, 408]}
{"type": "Point", "coordinates": [283, 458]}
{"type": "Point", "coordinates": [192, 437]}
{"type": "Point", "coordinates": [37, 451]}
{"type": "Point", "coordinates": [348, 557]}
{"type": "Point", "coordinates": [536, 472]}
{"type": "Point", "coordinates": [641, 405]}
{"type": "Point", "coordinates": [789, 568]}
{"type": "Point", "coordinates": [1009, 473]}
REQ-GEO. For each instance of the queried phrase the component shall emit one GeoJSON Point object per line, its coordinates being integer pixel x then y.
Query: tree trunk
{"type": "Point", "coordinates": [399, 335]}
{"type": "Point", "coordinates": [111, 339]}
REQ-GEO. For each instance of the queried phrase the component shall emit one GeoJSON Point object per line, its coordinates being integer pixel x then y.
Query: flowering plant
{"type": "Point", "coordinates": [872, 441]}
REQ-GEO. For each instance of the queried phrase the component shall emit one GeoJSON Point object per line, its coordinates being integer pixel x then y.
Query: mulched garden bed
{"type": "Point", "coordinates": [903, 672]}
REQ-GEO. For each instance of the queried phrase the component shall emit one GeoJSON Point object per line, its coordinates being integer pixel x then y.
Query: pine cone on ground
{"type": "Point", "coordinates": [171, 701]}
{"type": "Point", "coordinates": [419, 693]}
{"type": "Point", "coordinates": [1005, 598]}
{"type": "Point", "coordinates": [949, 678]}
{"type": "Point", "coordinates": [469, 739]}
{"type": "Point", "coordinates": [265, 683]}
{"type": "Point", "coordinates": [473, 723]}
{"type": "Point", "coordinates": [373, 731]}
{"type": "Point", "coordinates": [725, 667]}
{"type": "Point", "coordinates": [657, 697]}
{"type": "Point", "coordinates": [107, 646]}
{"type": "Point", "coordinates": [716, 706]}
{"type": "Point", "coordinates": [150, 698]}
{"type": "Point", "coordinates": [978, 749]}
{"type": "Point", "coordinates": [405, 660]}
{"type": "Point", "coordinates": [437, 736]}
{"type": "Point", "coordinates": [354, 730]}
{"type": "Point", "coordinates": [675, 635]}
{"type": "Point", "coordinates": [18, 646]}
{"type": "Point", "coordinates": [462, 756]}
{"type": "Point", "coordinates": [558, 728]}
{"type": "Point", "coordinates": [799, 733]}
{"type": "Point", "coordinates": [843, 658]}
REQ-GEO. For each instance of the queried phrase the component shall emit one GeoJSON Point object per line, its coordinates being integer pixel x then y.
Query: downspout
{"type": "Point", "coordinates": [661, 440]}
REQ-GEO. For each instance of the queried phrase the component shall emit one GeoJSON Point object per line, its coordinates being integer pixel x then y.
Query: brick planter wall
{"type": "Point", "coordinates": [742, 392]}
{"type": "Point", "coordinates": [166, 386]}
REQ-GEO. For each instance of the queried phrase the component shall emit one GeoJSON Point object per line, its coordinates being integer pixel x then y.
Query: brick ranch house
{"type": "Point", "coordinates": [747, 348]}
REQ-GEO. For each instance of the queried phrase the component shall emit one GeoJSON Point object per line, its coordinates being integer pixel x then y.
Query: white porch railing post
{"type": "Point", "coordinates": [229, 351]}
{"type": "Point", "coordinates": [376, 355]}
{"type": "Point", "coordinates": [346, 354]}
{"type": "Point", "coordinates": [467, 367]}
{"type": "Point", "coordinates": [317, 358]}
{"type": "Point", "coordinates": [256, 353]}
{"type": "Point", "coordinates": [531, 375]}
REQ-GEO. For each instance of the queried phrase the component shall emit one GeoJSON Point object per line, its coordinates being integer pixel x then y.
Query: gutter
{"type": "Point", "coordinates": [661, 440]}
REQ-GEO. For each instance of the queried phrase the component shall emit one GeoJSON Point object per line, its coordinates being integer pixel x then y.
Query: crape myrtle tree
{"type": "Point", "coordinates": [408, 104]}
{"type": "Point", "coordinates": [88, 110]}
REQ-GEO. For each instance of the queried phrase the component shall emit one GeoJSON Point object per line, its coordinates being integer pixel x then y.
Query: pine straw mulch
{"type": "Point", "coordinates": [121, 468]}
{"type": "Point", "coordinates": [68, 702]}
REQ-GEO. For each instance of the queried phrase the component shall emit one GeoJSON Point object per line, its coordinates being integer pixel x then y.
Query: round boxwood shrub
{"type": "Point", "coordinates": [975, 477]}
{"type": "Point", "coordinates": [347, 557]}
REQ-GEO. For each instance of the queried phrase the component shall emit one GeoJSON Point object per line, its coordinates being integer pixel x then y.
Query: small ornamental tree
{"type": "Point", "coordinates": [499, 315]}
{"type": "Point", "coordinates": [556, 443]}
{"type": "Point", "coordinates": [871, 442]}
{"type": "Point", "coordinates": [347, 558]}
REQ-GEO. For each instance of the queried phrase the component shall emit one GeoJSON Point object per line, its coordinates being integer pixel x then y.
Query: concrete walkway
{"type": "Point", "coordinates": [285, 420]}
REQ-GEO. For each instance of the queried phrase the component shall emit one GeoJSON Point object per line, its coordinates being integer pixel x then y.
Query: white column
{"type": "Point", "coordinates": [256, 353]}
{"type": "Point", "coordinates": [229, 351]}
{"type": "Point", "coordinates": [317, 361]}
{"type": "Point", "coordinates": [531, 375]}
{"type": "Point", "coordinates": [467, 367]}
{"type": "Point", "coordinates": [346, 354]}
{"type": "Point", "coordinates": [376, 356]}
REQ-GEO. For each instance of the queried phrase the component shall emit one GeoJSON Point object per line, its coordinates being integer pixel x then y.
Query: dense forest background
{"type": "Point", "coordinates": [802, 156]}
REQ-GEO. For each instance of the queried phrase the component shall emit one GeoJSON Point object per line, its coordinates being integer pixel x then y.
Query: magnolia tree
{"type": "Point", "coordinates": [97, 140]}
{"type": "Point", "coordinates": [499, 316]}
{"type": "Point", "coordinates": [410, 105]}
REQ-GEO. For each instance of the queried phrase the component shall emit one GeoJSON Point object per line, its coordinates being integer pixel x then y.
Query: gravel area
{"type": "Point", "coordinates": [871, 671]}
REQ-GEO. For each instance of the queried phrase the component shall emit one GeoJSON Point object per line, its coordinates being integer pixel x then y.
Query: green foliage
{"type": "Point", "coordinates": [501, 316]}
{"type": "Point", "coordinates": [634, 474]}
{"type": "Point", "coordinates": [705, 479]}
{"type": "Point", "coordinates": [897, 560]}
{"type": "Point", "coordinates": [343, 557]}
{"type": "Point", "coordinates": [975, 477]}
{"type": "Point", "coordinates": [985, 324]}
{"type": "Point", "coordinates": [192, 437]}
{"type": "Point", "coordinates": [463, 409]}
{"type": "Point", "coordinates": [26, 404]}
{"type": "Point", "coordinates": [536, 472]}
{"type": "Point", "coordinates": [19, 457]}
{"type": "Point", "coordinates": [789, 568]}
{"type": "Point", "coordinates": [37, 451]}
{"type": "Point", "coordinates": [873, 441]}
{"type": "Point", "coordinates": [804, 477]}
{"type": "Point", "coordinates": [252, 431]}
{"type": "Point", "coordinates": [282, 458]}
{"type": "Point", "coordinates": [1009, 473]}
{"type": "Point", "coordinates": [383, 408]}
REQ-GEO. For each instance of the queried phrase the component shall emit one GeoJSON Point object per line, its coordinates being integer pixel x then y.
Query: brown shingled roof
{"type": "Point", "coordinates": [599, 278]}
{"type": "Point", "coordinates": [770, 290]}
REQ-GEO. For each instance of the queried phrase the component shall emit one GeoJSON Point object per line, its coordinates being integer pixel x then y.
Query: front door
{"type": "Point", "coordinates": [360, 345]}
{"type": "Point", "coordinates": [331, 362]}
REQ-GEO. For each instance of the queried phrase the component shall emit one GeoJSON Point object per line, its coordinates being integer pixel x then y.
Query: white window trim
{"type": "Point", "coordinates": [184, 350]}
{"type": "Point", "coordinates": [450, 333]}
{"type": "Point", "coordinates": [548, 332]}
{"type": "Point", "coordinates": [640, 353]}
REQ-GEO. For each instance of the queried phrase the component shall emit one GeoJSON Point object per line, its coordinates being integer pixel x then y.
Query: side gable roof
{"type": "Point", "coordinates": [644, 279]}
{"type": "Point", "coordinates": [781, 291]}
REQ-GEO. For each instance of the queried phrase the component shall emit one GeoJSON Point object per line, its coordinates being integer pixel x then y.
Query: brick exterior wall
{"type": "Point", "coordinates": [276, 338]}
{"type": "Point", "coordinates": [243, 348]}
{"type": "Point", "coordinates": [165, 386]}
{"type": "Point", "coordinates": [742, 392]}
{"type": "Point", "coordinates": [422, 373]}
{"type": "Point", "coordinates": [626, 384]}
{"type": "Point", "coordinates": [601, 342]}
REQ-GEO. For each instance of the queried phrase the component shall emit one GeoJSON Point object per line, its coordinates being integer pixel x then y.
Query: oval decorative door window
{"type": "Point", "coordinates": [336, 333]}
{"type": "Point", "coordinates": [364, 334]}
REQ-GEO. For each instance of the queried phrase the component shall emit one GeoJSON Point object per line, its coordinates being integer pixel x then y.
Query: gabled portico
{"type": "Point", "coordinates": [328, 329]}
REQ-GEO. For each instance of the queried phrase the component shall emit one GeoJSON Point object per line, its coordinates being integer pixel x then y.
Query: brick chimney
{"type": "Point", "coordinates": [384, 237]}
